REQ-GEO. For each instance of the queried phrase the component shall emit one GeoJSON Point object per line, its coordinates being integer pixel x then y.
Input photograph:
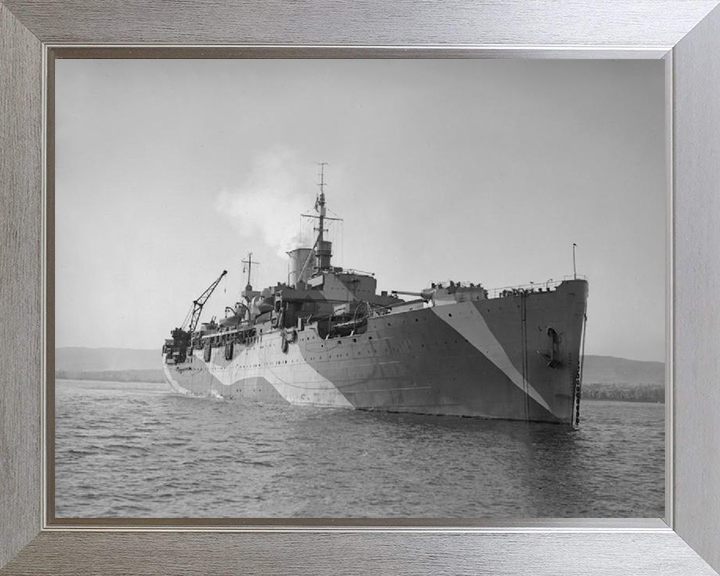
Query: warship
{"type": "Point", "coordinates": [327, 338]}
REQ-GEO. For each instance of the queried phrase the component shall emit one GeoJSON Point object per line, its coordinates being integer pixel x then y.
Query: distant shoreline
{"type": "Point", "coordinates": [151, 376]}
{"type": "Point", "coordinates": [641, 392]}
{"type": "Point", "coordinates": [626, 392]}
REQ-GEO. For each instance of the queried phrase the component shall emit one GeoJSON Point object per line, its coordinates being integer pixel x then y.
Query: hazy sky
{"type": "Point", "coordinates": [170, 171]}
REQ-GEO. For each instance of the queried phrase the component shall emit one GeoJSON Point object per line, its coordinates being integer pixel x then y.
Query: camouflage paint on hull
{"type": "Point", "coordinates": [516, 357]}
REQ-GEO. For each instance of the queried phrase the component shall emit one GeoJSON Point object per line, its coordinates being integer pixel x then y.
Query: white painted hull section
{"type": "Point", "coordinates": [290, 375]}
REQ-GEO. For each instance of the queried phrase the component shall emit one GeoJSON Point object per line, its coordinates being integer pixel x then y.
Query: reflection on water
{"type": "Point", "coordinates": [137, 450]}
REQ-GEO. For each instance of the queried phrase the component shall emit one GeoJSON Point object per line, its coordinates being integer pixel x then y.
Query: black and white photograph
{"type": "Point", "coordinates": [359, 288]}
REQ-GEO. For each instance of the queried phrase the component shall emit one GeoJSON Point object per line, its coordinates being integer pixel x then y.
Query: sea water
{"type": "Point", "coordinates": [139, 450]}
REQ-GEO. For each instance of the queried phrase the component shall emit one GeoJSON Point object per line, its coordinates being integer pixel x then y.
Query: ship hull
{"type": "Point", "coordinates": [516, 357]}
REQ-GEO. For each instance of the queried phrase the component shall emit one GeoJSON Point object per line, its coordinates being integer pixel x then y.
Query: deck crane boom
{"type": "Point", "coordinates": [175, 349]}
{"type": "Point", "coordinates": [194, 316]}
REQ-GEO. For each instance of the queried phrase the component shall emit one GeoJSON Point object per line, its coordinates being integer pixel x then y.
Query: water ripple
{"type": "Point", "coordinates": [131, 450]}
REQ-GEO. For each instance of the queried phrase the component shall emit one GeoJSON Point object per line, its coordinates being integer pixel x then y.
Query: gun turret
{"type": "Point", "coordinates": [426, 294]}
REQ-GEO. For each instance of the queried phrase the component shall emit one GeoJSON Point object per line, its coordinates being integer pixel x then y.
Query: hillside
{"type": "Point", "coordinates": [105, 359]}
{"type": "Point", "coordinates": [611, 370]}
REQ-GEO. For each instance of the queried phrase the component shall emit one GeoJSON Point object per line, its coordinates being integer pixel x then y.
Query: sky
{"type": "Point", "coordinates": [170, 171]}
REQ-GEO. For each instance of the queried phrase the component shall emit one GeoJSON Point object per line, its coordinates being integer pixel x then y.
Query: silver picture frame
{"type": "Point", "coordinates": [686, 34]}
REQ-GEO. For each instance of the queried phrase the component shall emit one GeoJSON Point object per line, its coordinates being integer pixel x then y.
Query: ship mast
{"type": "Point", "coordinates": [322, 249]}
{"type": "Point", "coordinates": [320, 205]}
{"type": "Point", "coordinates": [248, 266]}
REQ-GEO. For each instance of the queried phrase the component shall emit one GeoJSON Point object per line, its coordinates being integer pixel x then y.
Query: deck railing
{"type": "Point", "coordinates": [532, 287]}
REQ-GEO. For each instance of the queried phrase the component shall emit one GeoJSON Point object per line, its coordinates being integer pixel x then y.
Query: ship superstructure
{"type": "Point", "coordinates": [327, 338]}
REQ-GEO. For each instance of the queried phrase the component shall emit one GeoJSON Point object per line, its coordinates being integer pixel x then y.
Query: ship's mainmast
{"type": "Point", "coordinates": [320, 205]}
{"type": "Point", "coordinates": [323, 248]}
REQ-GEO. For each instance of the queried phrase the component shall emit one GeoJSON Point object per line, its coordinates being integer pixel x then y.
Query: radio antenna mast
{"type": "Point", "coordinates": [322, 176]}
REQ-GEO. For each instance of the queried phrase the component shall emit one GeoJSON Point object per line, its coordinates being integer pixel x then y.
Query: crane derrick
{"type": "Point", "coordinates": [175, 350]}
{"type": "Point", "coordinates": [194, 316]}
